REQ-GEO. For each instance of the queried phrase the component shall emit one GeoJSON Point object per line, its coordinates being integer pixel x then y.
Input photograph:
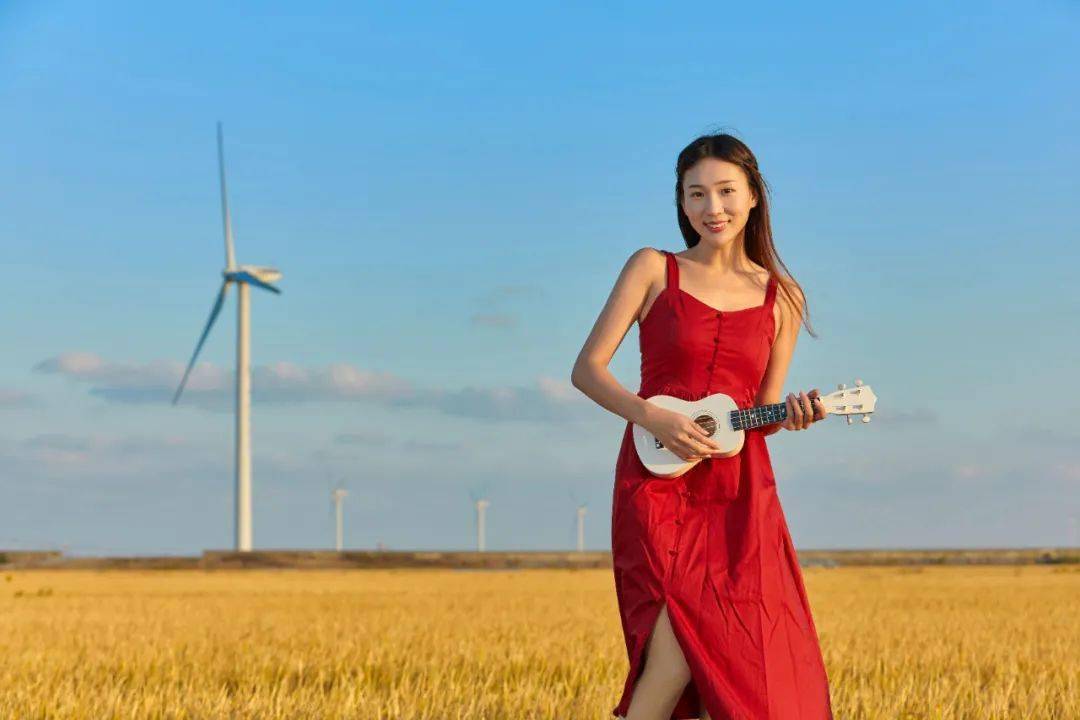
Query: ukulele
{"type": "Point", "coordinates": [726, 424]}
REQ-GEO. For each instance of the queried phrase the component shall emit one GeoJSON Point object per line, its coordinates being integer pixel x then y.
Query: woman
{"type": "Point", "coordinates": [711, 598]}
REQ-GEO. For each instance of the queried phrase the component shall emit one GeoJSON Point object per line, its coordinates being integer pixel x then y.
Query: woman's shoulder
{"type": "Point", "coordinates": [647, 261]}
{"type": "Point", "coordinates": [648, 256]}
{"type": "Point", "coordinates": [645, 268]}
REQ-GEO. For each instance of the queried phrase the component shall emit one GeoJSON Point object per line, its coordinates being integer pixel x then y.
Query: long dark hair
{"type": "Point", "coordinates": [758, 239]}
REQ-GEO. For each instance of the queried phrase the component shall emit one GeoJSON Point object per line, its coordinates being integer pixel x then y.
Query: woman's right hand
{"type": "Point", "coordinates": [681, 435]}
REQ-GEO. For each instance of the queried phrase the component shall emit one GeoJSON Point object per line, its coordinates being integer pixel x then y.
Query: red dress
{"type": "Point", "coordinates": [713, 543]}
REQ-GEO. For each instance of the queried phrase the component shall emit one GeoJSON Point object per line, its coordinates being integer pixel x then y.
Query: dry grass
{"type": "Point", "coordinates": [936, 642]}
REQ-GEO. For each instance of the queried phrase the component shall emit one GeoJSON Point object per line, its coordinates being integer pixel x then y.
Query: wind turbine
{"type": "Point", "coordinates": [337, 496]}
{"type": "Point", "coordinates": [581, 509]}
{"type": "Point", "coordinates": [581, 528]}
{"type": "Point", "coordinates": [243, 276]}
{"type": "Point", "coordinates": [481, 505]}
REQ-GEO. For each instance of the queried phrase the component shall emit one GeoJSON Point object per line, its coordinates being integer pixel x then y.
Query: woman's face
{"type": "Point", "coordinates": [716, 197]}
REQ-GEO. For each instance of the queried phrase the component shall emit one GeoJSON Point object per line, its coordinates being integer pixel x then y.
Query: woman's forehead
{"type": "Point", "coordinates": [713, 171]}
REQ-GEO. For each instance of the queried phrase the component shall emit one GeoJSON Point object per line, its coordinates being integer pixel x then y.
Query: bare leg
{"type": "Point", "coordinates": [664, 677]}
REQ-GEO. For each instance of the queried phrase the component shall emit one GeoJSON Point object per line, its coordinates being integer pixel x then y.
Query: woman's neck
{"type": "Point", "coordinates": [729, 257]}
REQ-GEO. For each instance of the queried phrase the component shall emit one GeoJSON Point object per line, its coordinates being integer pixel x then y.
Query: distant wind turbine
{"type": "Point", "coordinates": [581, 509]}
{"type": "Point", "coordinates": [243, 276]}
{"type": "Point", "coordinates": [337, 496]}
{"type": "Point", "coordinates": [481, 506]}
{"type": "Point", "coordinates": [581, 528]}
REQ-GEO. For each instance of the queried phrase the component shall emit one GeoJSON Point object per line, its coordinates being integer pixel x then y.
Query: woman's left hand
{"type": "Point", "coordinates": [803, 410]}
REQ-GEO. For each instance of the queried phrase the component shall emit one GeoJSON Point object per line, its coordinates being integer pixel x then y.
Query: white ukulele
{"type": "Point", "coordinates": [725, 423]}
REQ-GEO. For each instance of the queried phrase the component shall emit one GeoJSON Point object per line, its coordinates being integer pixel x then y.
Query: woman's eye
{"type": "Point", "coordinates": [727, 189]}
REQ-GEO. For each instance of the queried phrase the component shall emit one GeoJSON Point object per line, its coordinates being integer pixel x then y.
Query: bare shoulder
{"type": "Point", "coordinates": [645, 266]}
{"type": "Point", "coordinates": [647, 259]}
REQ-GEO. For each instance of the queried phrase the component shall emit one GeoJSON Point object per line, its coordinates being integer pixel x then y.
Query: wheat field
{"type": "Point", "coordinates": [903, 642]}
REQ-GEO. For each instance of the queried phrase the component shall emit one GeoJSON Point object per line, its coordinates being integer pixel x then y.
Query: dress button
{"type": "Point", "coordinates": [671, 552]}
{"type": "Point", "coordinates": [678, 522]}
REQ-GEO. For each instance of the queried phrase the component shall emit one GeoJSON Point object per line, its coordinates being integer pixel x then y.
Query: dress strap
{"type": "Point", "coordinates": [672, 272]}
{"type": "Point", "coordinates": [770, 291]}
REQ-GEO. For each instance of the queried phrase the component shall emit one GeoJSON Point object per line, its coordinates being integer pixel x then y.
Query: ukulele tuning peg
{"type": "Point", "coordinates": [858, 382]}
{"type": "Point", "coordinates": [841, 386]}
{"type": "Point", "coordinates": [865, 418]}
{"type": "Point", "coordinates": [849, 420]}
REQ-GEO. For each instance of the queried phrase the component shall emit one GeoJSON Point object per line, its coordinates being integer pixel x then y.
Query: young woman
{"type": "Point", "coordinates": [711, 598]}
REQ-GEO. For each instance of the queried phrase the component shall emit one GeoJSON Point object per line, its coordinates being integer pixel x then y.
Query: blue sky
{"type": "Point", "coordinates": [451, 193]}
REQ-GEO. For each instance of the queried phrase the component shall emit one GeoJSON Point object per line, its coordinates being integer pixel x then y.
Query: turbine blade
{"type": "Point", "coordinates": [226, 221]}
{"type": "Point", "coordinates": [249, 278]}
{"type": "Point", "coordinates": [206, 331]}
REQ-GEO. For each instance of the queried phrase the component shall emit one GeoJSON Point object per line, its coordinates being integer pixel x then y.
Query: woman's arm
{"type": "Point", "coordinates": [676, 431]}
{"type": "Point", "coordinates": [590, 374]}
{"type": "Point", "coordinates": [800, 411]}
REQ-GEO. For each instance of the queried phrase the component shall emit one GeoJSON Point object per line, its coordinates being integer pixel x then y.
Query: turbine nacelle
{"type": "Point", "coordinates": [260, 275]}
{"type": "Point", "coordinates": [263, 272]}
{"type": "Point", "coordinates": [257, 275]}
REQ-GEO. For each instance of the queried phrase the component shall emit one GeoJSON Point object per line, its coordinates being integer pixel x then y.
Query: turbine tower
{"type": "Point", "coordinates": [481, 506]}
{"type": "Point", "coordinates": [243, 276]}
{"type": "Point", "coordinates": [581, 528]}
{"type": "Point", "coordinates": [581, 509]}
{"type": "Point", "coordinates": [337, 496]}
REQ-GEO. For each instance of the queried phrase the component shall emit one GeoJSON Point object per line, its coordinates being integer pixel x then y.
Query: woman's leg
{"type": "Point", "coordinates": [664, 677]}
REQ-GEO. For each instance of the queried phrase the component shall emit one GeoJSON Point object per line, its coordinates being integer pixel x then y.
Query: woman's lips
{"type": "Point", "coordinates": [716, 228]}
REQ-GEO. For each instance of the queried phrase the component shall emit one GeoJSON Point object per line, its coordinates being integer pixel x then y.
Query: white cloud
{"type": "Point", "coordinates": [211, 387]}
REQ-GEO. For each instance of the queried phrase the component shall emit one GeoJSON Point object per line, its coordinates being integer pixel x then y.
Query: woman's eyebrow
{"type": "Point", "coordinates": [720, 182]}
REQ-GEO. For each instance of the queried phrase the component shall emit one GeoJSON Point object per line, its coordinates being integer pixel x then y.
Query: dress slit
{"type": "Point", "coordinates": [691, 694]}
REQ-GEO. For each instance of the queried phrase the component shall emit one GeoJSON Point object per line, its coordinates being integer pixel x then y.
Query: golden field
{"type": "Point", "coordinates": [981, 642]}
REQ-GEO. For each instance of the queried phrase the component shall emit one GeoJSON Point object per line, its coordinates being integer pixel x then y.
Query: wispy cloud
{"type": "Point", "coordinates": [548, 400]}
{"type": "Point", "coordinates": [493, 303]}
{"type": "Point", "coordinates": [210, 387]}
{"type": "Point", "coordinates": [494, 320]}
{"type": "Point", "coordinates": [59, 449]}
{"type": "Point", "coordinates": [14, 399]}
{"type": "Point", "coordinates": [386, 441]}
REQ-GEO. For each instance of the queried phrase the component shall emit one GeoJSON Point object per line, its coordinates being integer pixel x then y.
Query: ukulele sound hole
{"type": "Point", "coordinates": [706, 423]}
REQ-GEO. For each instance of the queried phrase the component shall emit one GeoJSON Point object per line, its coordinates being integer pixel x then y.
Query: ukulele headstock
{"type": "Point", "coordinates": [851, 401]}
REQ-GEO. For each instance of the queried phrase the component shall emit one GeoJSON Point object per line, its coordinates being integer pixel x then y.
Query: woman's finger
{"type": "Point", "coordinates": [795, 410]}
{"type": "Point", "coordinates": [707, 440]}
{"type": "Point", "coordinates": [808, 411]}
{"type": "Point", "coordinates": [693, 446]}
{"type": "Point", "coordinates": [701, 436]}
{"type": "Point", "coordinates": [705, 447]}
{"type": "Point", "coordinates": [820, 411]}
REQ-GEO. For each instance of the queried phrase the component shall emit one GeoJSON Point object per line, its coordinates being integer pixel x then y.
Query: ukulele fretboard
{"type": "Point", "coordinates": [758, 416]}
